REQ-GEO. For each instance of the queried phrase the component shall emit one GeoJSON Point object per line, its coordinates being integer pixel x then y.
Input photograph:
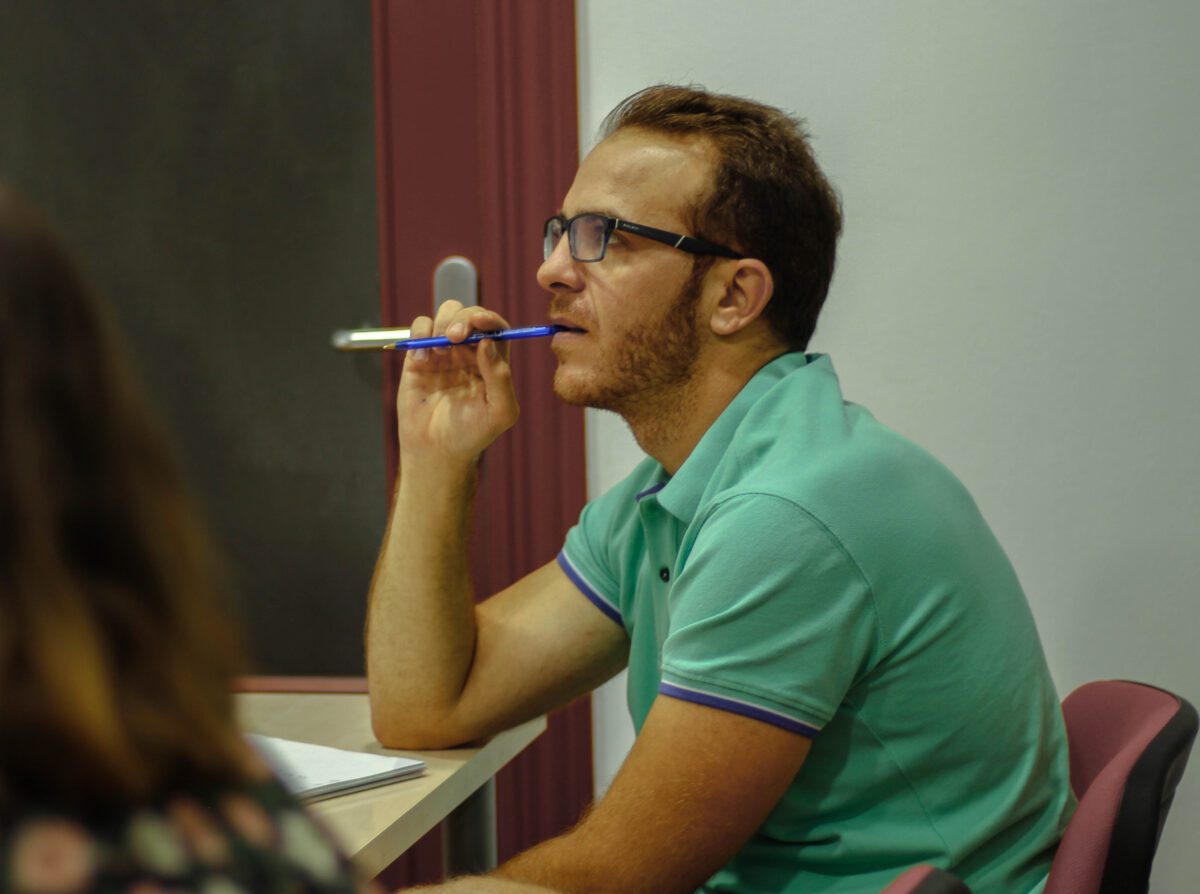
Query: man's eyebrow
{"type": "Point", "coordinates": [603, 212]}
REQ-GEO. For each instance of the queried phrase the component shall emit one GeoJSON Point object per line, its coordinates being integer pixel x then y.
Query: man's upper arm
{"type": "Point", "coordinates": [539, 644]}
{"type": "Point", "coordinates": [771, 616]}
{"type": "Point", "coordinates": [556, 633]}
{"type": "Point", "coordinates": [696, 785]}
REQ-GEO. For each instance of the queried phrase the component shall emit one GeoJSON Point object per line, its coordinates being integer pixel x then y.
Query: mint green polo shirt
{"type": "Point", "coordinates": [812, 569]}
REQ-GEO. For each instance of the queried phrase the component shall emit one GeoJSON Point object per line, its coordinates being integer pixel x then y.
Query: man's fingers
{"type": "Point", "coordinates": [482, 319]}
{"type": "Point", "coordinates": [455, 322]}
{"type": "Point", "coordinates": [464, 320]}
{"type": "Point", "coordinates": [497, 376]}
{"type": "Point", "coordinates": [447, 312]}
{"type": "Point", "coordinates": [421, 327]}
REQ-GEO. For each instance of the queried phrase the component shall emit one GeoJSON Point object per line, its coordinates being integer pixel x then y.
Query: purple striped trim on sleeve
{"type": "Point", "coordinates": [588, 590]}
{"type": "Point", "coordinates": [651, 490]}
{"type": "Point", "coordinates": [736, 706]}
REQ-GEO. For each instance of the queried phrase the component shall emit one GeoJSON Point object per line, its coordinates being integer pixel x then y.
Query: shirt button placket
{"type": "Point", "coordinates": [660, 546]}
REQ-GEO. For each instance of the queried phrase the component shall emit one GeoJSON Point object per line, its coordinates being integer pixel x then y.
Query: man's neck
{"type": "Point", "coordinates": [670, 423]}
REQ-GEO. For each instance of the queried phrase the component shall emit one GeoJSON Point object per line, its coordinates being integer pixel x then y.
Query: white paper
{"type": "Point", "coordinates": [318, 771]}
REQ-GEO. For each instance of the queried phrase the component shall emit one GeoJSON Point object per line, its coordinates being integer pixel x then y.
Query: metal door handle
{"type": "Point", "coordinates": [454, 277]}
{"type": "Point", "coordinates": [365, 339]}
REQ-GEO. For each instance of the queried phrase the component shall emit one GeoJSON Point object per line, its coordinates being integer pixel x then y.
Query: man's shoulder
{"type": "Point", "coordinates": [804, 442]}
{"type": "Point", "coordinates": [870, 487]}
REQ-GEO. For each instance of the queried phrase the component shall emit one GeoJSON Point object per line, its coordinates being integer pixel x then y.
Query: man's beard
{"type": "Point", "coordinates": [646, 365]}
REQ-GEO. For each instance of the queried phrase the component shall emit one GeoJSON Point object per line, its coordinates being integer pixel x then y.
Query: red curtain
{"type": "Point", "coordinates": [477, 144]}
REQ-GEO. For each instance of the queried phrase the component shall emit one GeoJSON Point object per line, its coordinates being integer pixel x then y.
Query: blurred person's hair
{"type": "Point", "coordinates": [768, 199]}
{"type": "Point", "coordinates": [117, 650]}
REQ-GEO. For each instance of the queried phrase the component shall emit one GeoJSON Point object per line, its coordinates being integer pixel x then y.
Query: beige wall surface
{"type": "Point", "coordinates": [1016, 288]}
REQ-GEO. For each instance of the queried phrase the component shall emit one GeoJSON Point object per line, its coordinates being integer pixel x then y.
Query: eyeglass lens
{"type": "Point", "coordinates": [586, 236]}
{"type": "Point", "coordinates": [554, 231]}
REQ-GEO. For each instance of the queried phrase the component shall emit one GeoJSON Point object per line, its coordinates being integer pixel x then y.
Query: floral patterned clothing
{"type": "Point", "coordinates": [255, 838]}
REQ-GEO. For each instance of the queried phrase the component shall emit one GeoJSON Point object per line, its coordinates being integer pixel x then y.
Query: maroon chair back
{"type": "Point", "coordinates": [925, 879]}
{"type": "Point", "coordinates": [1129, 744]}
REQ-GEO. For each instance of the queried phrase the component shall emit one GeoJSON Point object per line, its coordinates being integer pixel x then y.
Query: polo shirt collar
{"type": "Point", "coordinates": [680, 494]}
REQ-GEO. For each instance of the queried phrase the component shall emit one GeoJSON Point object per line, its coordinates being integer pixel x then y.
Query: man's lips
{"type": "Point", "coordinates": [570, 327]}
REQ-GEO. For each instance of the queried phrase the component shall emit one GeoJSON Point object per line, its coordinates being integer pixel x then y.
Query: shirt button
{"type": "Point", "coordinates": [664, 573]}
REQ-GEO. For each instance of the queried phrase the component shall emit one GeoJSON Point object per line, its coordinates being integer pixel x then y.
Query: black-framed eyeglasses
{"type": "Point", "coordinates": [588, 235]}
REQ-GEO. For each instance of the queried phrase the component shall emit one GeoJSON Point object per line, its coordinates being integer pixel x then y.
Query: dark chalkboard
{"type": "Point", "coordinates": [212, 164]}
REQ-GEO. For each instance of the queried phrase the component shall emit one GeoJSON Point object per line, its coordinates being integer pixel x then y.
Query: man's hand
{"type": "Point", "coordinates": [453, 402]}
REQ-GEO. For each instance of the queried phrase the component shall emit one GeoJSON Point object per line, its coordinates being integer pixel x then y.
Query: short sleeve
{"type": "Point", "coordinates": [598, 553]}
{"type": "Point", "coordinates": [770, 617]}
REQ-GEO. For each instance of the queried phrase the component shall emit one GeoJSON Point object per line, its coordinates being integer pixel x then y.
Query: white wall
{"type": "Point", "coordinates": [1016, 287]}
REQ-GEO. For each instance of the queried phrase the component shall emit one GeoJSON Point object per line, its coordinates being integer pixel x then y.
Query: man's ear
{"type": "Point", "coordinates": [747, 292]}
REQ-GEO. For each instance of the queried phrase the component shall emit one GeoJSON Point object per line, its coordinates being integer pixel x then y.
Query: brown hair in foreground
{"type": "Point", "coordinates": [116, 650]}
{"type": "Point", "coordinates": [769, 199]}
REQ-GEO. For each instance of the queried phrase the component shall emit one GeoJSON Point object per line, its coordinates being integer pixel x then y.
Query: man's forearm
{"type": "Point", "coordinates": [482, 884]}
{"type": "Point", "coordinates": [567, 863]}
{"type": "Point", "coordinates": [421, 622]}
{"type": "Point", "coordinates": [544, 865]}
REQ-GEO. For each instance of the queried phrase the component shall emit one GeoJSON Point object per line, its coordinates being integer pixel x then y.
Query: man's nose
{"type": "Point", "coordinates": [560, 272]}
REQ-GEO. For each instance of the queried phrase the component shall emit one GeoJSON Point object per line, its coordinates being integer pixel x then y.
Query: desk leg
{"type": "Point", "coordinates": [469, 834]}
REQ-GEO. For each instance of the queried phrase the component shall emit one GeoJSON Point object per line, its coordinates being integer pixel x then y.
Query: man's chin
{"type": "Point", "coordinates": [571, 390]}
{"type": "Point", "coordinates": [567, 391]}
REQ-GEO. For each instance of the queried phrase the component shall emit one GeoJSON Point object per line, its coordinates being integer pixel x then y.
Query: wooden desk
{"type": "Point", "coordinates": [377, 825]}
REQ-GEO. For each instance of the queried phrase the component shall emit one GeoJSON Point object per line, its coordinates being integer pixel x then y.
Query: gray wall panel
{"type": "Point", "coordinates": [213, 166]}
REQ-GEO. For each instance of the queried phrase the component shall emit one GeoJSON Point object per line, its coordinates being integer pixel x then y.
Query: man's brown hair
{"type": "Point", "coordinates": [768, 199]}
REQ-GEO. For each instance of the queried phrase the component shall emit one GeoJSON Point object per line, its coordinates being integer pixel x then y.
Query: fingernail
{"type": "Point", "coordinates": [456, 330]}
{"type": "Point", "coordinates": [420, 353]}
{"type": "Point", "coordinates": [489, 345]}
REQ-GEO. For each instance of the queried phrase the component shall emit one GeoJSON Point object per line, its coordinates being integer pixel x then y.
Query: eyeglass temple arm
{"type": "Point", "coordinates": [692, 244]}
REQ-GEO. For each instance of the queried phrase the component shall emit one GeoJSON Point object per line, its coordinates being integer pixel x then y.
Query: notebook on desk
{"type": "Point", "coordinates": [312, 772]}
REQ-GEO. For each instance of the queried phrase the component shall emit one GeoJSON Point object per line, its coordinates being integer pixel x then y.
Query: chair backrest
{"type": "Point", "coordinates": [1129, 744]}
{"type": "Point", "coordinates": [925, 879]}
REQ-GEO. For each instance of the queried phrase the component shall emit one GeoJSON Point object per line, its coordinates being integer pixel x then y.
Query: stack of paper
{"type": "Point", "coordinates": [313, 772]}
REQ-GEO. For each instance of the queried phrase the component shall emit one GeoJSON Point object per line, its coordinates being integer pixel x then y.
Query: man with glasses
{"type": "Point", "coordinates": [833, 671]}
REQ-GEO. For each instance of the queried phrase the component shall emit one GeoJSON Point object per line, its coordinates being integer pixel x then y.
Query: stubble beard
{"type": "Point", "coordinates": [646, 373]}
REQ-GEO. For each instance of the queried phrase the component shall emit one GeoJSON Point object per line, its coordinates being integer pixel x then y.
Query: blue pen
{"type": "Point", "coordinates": [440, 341]}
